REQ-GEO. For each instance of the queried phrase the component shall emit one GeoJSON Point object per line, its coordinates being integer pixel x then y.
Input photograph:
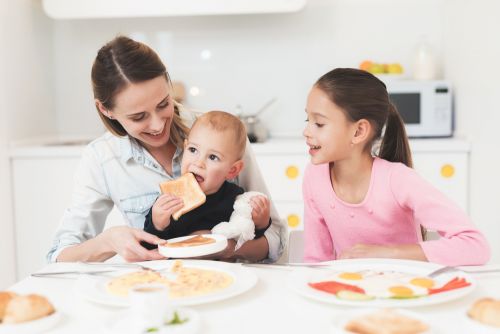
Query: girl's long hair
{"type": "Point", "coordinates": [361, 95]}
{"type": "Point", "coordinates": [121, 62]}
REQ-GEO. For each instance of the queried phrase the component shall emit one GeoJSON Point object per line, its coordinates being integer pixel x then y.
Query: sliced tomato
{"type": "Point", "coordinates": [455, 283]}
{"type": "Point", "coordinates": [334, 287]}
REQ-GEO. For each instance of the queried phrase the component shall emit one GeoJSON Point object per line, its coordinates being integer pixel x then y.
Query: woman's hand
{"type": "Point", "coordinates": [125, 241]}
{"type": "Point", "coordinates": [409, 252]}
{"type": "Point", "coordinates": [261, 211]}
{"type": "Point", "coordinates": [163, 209]}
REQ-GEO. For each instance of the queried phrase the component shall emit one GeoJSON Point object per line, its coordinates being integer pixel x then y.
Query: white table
{"type": "Point", "coordinates": [269, 307]}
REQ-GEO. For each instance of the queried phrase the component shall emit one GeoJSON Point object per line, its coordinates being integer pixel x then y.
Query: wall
{"type": "Point", "coordinates": [472, 54]}
{"type": "Point", "coordinates": [253, 57]}
{"type": "Point", "coordinates": [26, 105]}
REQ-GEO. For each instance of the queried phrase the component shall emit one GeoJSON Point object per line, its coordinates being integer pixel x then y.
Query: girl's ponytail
{"type": "Point", "coordinates": [394, 146]}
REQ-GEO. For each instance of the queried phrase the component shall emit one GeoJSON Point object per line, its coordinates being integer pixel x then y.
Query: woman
{"type": "Point", "coordinates": [133, 97]}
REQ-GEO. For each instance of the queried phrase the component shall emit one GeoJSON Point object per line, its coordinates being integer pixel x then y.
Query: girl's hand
{"type": "Point", "coordinates": [408, 252]}
{"type": "Point", "coordinates": [365, 251]}
{"type": "Point", "coordinates": [125, 241]}
{"type": "Point", "coordinates": [163, 209]}
{"type": "Point", "coordinates": [261, 211]}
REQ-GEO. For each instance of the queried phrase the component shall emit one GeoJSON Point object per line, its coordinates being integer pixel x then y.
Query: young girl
{"type": "Point", "coordinates": [360, 206]}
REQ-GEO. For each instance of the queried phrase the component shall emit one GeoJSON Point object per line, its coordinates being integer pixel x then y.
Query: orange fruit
{"type": "Point", "coordinates": [365, 65]}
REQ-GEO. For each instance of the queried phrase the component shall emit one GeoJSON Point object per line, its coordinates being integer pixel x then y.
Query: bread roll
{"type": "Point", "coordinates": [187, 188]}
{"type": "Point", "coordinates": [386, 322]}
{"type": "Point", "coordinates": [5, 298]}
{"type": "Point", "coordinates": [486, 311]}
{"type": "Point", "coordinates": [26, 308]}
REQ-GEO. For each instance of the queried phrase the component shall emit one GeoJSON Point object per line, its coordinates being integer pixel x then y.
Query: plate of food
{"type": "Point", "coordinates": [193, 246]}
{"type": "Point", "coordinates": [190, 282]}
{"type": "Point", "coordinates": [25, 314]}
{"type": "Point", "coordinates": [384, 320]}
{"type": "Point", "coordinates": [380, 283]}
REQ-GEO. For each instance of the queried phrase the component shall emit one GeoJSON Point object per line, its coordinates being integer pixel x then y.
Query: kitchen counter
{"type": "Point", "coordinates": [72, 147]}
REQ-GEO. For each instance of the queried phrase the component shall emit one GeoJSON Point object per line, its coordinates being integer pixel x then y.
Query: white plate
{"type": "Point", "coordinates": [94, 288]}
{"type": "Point", "coordinates": [34, 326]}
{"type": "Point", "coordinates": [298, 280]}
{"type": "Point", "coordinates": [342, 318]}
{"type": "Point", "coordinates": [125, 323]}
{"type": "Point", "coordinates": [193, 251]}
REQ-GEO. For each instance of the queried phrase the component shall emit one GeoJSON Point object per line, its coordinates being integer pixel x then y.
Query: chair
{"type": "Point", "coordinates": [296, 246]}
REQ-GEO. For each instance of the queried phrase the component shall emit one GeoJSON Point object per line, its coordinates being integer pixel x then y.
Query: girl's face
{"type": "Point", "coordinates": [328, 132]}
{"type": "Point", "coordinates": [210, 155]}
{"type": "Point", "coordinates": [145, 110]}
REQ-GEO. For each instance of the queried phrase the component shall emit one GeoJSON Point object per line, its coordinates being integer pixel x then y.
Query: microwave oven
{"type": "Point", "coordinates": [425, 106]}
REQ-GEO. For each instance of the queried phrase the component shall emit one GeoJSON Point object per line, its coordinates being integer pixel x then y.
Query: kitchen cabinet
{"type": "Point", "coordinates": [42, 182]}
{"type": "Point", "coordinates": [442, 162]}
{"type": "Point", "coordinates": [87, 9]}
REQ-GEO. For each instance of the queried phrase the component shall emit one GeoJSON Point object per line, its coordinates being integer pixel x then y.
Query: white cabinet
{"type": "Point", "coordinates": [442, 162]}
{"type": "Point", "coordinates": [86, 9]}
{"type": "Point", "coordinates": [42, 184]}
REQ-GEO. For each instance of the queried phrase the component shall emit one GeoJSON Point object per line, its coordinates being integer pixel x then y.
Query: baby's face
{"type": "Point", "coordinates": [209, 155]}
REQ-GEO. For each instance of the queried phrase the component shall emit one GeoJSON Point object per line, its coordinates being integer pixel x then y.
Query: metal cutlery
{"type": "Point", "coordinates": [73, 272]}
{"type": "Point", "coordinates": [447, 269]}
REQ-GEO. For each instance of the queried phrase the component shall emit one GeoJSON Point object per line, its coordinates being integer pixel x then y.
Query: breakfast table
{"type": "Point", "coordinates": [269, 306]}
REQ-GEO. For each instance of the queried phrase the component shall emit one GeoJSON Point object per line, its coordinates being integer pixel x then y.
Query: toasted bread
{"type": "Point", "coordinates": [196, 240]}
{"type": "Point", "coordinates": [26, 308]}
{"type": "Point", "coordinates": [187, 188]}
{"type": "Point", "coordinates": [385, 321]}
{"type": "Point", "coordinates": [5, 298]}
{"type": "Point", "coordinates": [486, 311]}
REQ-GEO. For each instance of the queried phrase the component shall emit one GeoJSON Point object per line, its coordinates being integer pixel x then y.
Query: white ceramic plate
{"type": "Point", "coordinates": [342, 318]}
{"type": "Point", "coordinates": [193, 251]}
{"type": "Point", "coordinates": [474, 326]}
{"type": "Point", "coordinates": [33, 326]}
{"type": "Point", "coordinates": [299, 279]}
{"type": "Point", "coordinates": [125, 322]}
{"type": "Point", "coordinates": [94, 288]}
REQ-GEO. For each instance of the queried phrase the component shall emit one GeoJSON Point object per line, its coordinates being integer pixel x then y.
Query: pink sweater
{"type": "Point", "coordinates": [398, 201]}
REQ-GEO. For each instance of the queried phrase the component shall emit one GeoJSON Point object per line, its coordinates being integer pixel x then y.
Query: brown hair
{"type": "Point", "coordinates": [363, 96]}
{"type": "Point", "coordinates": [223, 121]}
{"type": "Point", "coordinates": [121, 62]}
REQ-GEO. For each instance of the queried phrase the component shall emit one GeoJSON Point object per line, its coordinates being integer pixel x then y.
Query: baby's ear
{"type": "Point", "coordinates": [235, 170]}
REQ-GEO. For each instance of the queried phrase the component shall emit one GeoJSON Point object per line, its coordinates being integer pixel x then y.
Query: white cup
{"type": "Point", "coordinates": [149, 304]}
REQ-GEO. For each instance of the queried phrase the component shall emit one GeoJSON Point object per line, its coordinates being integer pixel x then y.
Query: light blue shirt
{"type": "Point", "coordinates": [118, 171]}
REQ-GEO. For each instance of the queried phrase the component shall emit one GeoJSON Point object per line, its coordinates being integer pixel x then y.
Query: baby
{"type": "Point", "coordinates": [213, 154]}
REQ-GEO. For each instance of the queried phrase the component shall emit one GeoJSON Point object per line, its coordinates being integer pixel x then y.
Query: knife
{"type": "Point", "coordinates": [75, 272]}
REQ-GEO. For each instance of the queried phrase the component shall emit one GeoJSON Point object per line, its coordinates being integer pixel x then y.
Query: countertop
{"type": "Point", "coordinates": [72, 147]}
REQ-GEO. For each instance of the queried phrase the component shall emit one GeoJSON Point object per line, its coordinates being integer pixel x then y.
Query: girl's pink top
{"type": "Point", "coordinates": [398, 201]}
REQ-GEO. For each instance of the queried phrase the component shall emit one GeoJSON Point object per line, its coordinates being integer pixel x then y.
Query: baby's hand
{"type": "Point", "coordinates": [261, 211]}
{"type": "Point", "coordinates": [163, 209]}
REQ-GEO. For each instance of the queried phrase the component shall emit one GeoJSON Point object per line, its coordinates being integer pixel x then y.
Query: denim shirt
{"type": "Point", "coordinates": [118, 171]}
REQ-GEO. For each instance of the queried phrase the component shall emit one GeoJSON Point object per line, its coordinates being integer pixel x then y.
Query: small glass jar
{"type": "Point", "coordinates": [149, 304]}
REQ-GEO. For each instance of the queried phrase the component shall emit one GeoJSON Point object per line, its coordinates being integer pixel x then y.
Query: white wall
{"type": "Point", "coordinates": [472, 54]}
{"type": "Point", "coordinates": [26, 107]}
{"type": "Point", "coordinates": [254, 57]}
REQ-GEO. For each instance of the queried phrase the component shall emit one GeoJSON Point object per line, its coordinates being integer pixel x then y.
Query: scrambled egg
{"type": "Point", "coordinates": [188, 282]}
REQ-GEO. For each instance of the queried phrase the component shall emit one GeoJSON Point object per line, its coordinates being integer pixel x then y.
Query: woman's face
{"type": "Point", "coordinates": [145, 110]}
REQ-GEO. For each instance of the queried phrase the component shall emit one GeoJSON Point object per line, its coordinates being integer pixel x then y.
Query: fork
{"type": "Point", "coordinates": [447, 269]}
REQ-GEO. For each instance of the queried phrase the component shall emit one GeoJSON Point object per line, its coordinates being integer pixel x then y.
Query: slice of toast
{"type": "Point", "coordinates": [187, 188]}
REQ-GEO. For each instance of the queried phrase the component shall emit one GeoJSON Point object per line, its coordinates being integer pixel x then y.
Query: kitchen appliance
{"type": "Point", "coordinates": [256, 131]}
{"type": "Point", "coordinates": [425, 106]}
